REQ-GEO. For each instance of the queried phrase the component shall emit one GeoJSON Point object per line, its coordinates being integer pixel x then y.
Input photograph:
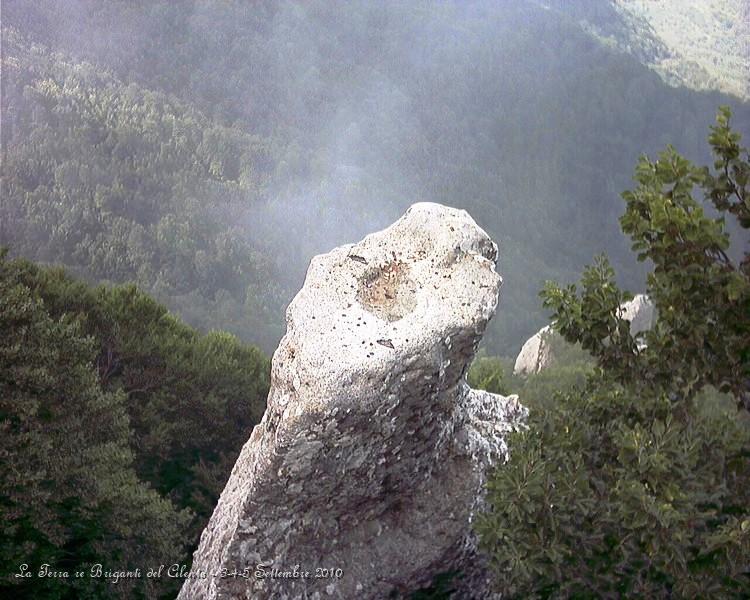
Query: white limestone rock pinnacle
{"type": "Point", "coordinates": [367, 467]}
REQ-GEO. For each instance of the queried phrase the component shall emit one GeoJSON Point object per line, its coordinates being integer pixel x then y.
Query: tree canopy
{"type": "Point", "coordinates": [119, 426]}
{"type": "Point", "coordinates": [637, 482]}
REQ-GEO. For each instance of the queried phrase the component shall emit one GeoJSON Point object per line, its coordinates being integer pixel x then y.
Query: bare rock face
{"type": "Point", "coordinates": [363, 477]}
{"type": "Point", "coordinates": [640, 312]}
{"type": "Point", "coordinates": [536, 353]}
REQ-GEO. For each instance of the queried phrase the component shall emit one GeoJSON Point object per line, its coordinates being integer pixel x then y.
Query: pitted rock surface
{"type": "Point", "coordinates": [373, 450]}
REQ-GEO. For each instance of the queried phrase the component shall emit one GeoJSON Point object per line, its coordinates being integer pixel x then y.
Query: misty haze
{"type": "Point", "coordinates": [169, 170]}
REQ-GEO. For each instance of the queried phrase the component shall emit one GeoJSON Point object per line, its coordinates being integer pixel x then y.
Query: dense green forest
{"type": "Point", "coordinates": [119, 426]}
{"type": "Point", "coordinates": [123, 184]}
{"type": "Point", "coordinates": [207, 150]}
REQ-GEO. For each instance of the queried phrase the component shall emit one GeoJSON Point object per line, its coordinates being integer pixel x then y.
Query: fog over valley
{"type": "Point", "coordinates": [300, 126]}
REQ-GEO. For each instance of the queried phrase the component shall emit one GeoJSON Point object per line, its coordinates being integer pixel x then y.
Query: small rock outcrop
{"type": "Point", "coordinates": [536, 353]}
{"type": "Point", "coordinates": [640, 312]}
{"type": "Point", "coordinates": [363, 477]}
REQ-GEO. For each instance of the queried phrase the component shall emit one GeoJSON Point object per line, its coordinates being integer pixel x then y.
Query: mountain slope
{"type": "Point", "coordinates": [339, 117]}
{"type": "Point", "coordinates": [121, 183]}
{"type": "Point", "coordinates": [700, 44]}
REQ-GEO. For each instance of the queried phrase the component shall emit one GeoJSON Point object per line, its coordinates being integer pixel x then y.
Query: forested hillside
{"type": "Point", "coordinates": [118, 428]}
{"type": "Point", "coordinates": [125, 184]}
{"type": "Point", "coordinates": [704, 42]}
{"type": "Point", "coordinates": [207, 150]}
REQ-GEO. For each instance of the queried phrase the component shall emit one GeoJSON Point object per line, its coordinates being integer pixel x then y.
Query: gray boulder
{"type": "Point", "coordinates": [366, 471]}
{"type": "Point", "coordinates": [536, 353]}
{"type": "Point", "coordinates": [640, 311]}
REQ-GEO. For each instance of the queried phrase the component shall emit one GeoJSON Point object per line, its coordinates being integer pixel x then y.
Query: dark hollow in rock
{"type": "Point", "coordinates": [387, 291]}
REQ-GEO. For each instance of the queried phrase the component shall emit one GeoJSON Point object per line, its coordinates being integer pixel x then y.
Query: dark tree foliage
{"type": "Point", "coordinates": [120, 427]}
{"type": "Point", "coordinates": [702, 296]}
{"type": "Point", "coordinates": [69, 493]}
{"type": "Point", "coordinates": [637, 484]}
